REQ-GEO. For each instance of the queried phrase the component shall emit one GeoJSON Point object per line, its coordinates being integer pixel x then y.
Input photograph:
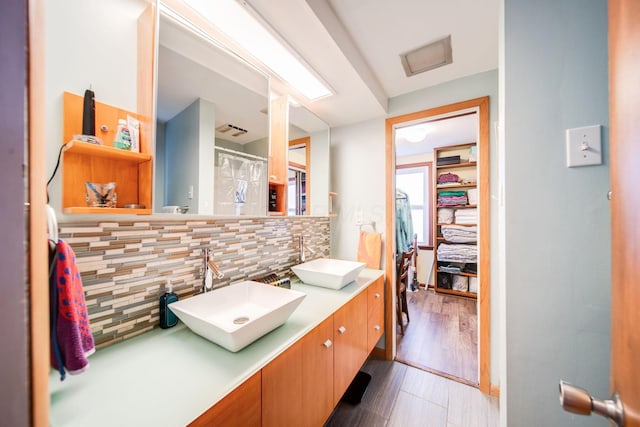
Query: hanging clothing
{"type": "Point", "coordinates": [404, 223]}
{"type": "Point", "coordinates": [71, 337]}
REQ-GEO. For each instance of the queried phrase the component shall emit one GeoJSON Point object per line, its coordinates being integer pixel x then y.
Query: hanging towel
{"type": "Point", "coordinates": [71, 338]}
{"type": "Point", "coordinates": [370, 249]}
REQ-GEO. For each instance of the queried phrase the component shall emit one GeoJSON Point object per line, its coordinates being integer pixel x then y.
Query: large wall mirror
{"type": "Point", "coordinates": [212, 127]}
{"type": "Point", "coordinates": [308, 168]}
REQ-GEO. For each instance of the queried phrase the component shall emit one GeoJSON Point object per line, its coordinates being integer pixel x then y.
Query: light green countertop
{"type": "Point", "coordinates": [169, 377]}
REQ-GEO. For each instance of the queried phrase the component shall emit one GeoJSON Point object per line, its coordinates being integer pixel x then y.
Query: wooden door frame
{"type": "Point", "coordinates": [481, 105]}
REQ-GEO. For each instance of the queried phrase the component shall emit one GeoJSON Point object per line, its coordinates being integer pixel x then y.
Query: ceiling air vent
{"type": "Point", "coordinates": [427, 57]}
{"type": "Point", "coordinates": [235, 130]}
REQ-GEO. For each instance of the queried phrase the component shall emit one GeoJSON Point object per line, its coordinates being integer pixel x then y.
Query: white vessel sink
{"type": "Point", "coordinates": [237, 315]}
{"type": "Point", "coordinates": [328, 272]}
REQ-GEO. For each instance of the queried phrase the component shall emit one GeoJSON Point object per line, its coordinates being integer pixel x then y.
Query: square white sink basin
{"type": "Point", "coordinates": [328, 272]}
{"type": "Point", "coordinates": [235, 316]}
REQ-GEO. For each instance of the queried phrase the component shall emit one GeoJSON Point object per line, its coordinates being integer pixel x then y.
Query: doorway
{"type": "Point", "coordinates": [442, 334]}
{"type": "Point", "coordinates": [480, 109]}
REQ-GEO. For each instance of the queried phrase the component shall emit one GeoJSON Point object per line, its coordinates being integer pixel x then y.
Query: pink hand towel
{"type": "Point", "coordinates": [370, 249]}
{"type": "Point", "coordinates": [72, 340]}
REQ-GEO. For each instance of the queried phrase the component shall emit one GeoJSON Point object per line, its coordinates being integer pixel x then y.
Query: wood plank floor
{"type": "Point", "coordinates": [442, 335]}
{"type": "Point", "coordinates": [402, 396]}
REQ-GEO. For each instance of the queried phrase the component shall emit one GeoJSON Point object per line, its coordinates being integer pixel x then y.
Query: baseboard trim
{"type": "Point", "coordinates": [495, 390]}
{"type": "Point", "coordinates": [379, 353]}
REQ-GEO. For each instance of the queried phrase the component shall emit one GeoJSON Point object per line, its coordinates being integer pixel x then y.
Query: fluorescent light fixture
{"type": "Point", "coordinates": [235, 20]}
{"type": "Point", "coordinates": [415, 133]}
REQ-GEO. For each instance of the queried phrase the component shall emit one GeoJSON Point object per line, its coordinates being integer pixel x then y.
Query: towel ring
{"type": "Point", "coordinates": [372, 224]}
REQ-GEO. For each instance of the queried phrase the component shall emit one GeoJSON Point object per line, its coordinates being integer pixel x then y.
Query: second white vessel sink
{"type": "Point", "coordinates": [328, 272]}
{"type": "Point", "coordinates": [237, 315]}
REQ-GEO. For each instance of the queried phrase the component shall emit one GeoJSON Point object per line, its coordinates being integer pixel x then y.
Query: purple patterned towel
{"type": "Point", "coordinates": [71, 338]}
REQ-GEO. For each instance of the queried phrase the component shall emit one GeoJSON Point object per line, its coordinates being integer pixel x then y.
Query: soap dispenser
{"type": "Point", "coordinates": [167, 317]}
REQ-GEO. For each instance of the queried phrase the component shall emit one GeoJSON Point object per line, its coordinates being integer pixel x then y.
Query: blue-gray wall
{"type": "Point", "coordinates": [557, 262]}
{"type": "Point", "coordinates": [182, 138]}
{"type": "Point", "coordinates": [189, 142]}
{"type": "Point", "coordinates": [14, 369]}
{"type": "Point", "coordinates": [159, 168]}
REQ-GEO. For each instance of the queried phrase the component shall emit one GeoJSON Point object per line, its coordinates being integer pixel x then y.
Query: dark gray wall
{"type": "Point", "coordinates": [14, 369]}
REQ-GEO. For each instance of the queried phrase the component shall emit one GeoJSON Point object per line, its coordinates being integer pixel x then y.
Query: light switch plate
{"type": "Point", "coordinates": [584, 146]}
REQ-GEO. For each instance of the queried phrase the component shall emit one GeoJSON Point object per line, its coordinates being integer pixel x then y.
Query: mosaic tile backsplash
{"type": "Point", "coordinates": [125, 264]}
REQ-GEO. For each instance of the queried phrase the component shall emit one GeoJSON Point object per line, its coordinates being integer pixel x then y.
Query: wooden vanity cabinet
{"type": "Point", "coordinates": [350, 340]}
{"type": "Point", "coordinates": [282, 388]}
{"type": "Point", "coordinates": [297, 386]}
{"type": "Point", "coordinates": [241, 407]}
{"type": "Point", "coordinates": [317, 375]}
{"type": "Point", "coordinates": [375, 316]}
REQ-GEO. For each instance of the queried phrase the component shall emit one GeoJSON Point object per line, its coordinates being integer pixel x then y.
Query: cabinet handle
{"type": "Point", "coordinates": [342, 329]}
{"type": "Point", "coordinates": [377, 295]}
{"type": "Point", "coordinates": [327, 343]}
{"type": "Point", "coordinates": [377, 327]}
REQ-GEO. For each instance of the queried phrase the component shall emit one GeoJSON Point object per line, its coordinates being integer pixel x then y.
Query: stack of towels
{"type": "Point", "coordinates": [467, 216]}
{"type": "Point", "coordinates": [452, 198]}
{"type": "Point", "coordinates": [460, 234]}
{"type": "Point", "coordinates": [448, 178]}
{"type": "Point", "coordinates": [457, 253]}
{"type": "Point", "coordinates": [445, 216]}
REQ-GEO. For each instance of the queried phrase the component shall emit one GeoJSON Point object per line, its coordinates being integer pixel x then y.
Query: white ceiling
{"type": "Point", "coordinates": [354, 46]}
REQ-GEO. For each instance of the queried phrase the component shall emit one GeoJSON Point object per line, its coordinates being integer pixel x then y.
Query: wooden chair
{"type": "Point", "coordinates": [402, 282]}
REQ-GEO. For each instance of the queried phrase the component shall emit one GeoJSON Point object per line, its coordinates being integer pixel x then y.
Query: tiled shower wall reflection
{"type": "Point", "coordinates": [125, 264]}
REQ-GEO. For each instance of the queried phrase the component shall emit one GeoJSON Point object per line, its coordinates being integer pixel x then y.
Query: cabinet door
{"type": "Point", "coordinates": [317, 374]}
{"type": "Point", "coordinates": [350, 340]}
{"type": "Point", "coordinates": [241, 407]}
{"type": "Point", "coordinates": [375, 318]}
{"type": "Point", "coordinates": [282, 389]}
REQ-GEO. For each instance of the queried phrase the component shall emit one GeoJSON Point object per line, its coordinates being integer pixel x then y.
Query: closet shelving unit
{"type": "Point", "coordinates": [465, 169]}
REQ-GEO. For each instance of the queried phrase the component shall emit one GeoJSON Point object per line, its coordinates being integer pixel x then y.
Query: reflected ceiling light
{"type": "Point", "coordinates": [415, 133]}
{"type": "Point", "coordinates": [235, 19]}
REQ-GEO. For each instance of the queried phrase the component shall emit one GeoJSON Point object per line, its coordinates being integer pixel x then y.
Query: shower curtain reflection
{"type": "Point", "coordinates": [240, 186]}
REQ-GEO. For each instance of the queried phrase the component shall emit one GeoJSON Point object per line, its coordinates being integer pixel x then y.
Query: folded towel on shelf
{"type": "Point", "coordinates": [473, 285]}
{"type": "Point", "coordinates": [471, 180]}
{"type": "Point", "coordinates": [459, 234]}
{"type": "Point", "coordinates": [457, 252]}
{"type": "Point", "coordinates": [451, 198]}
{"type": "Point", "coordinates": [445, 216]}
{"type": "Point", "coordinates": [460, 283]}
{"type": "Point", "coordinates": [71, 338]}
{"type": "Point", "coordinates": [466, 216]}
{"type": "Point", "coordinates": [370, 249]}
{"type": "Point", "coordinates": [472, 195]}
{"type": "Point", "coordinates": [448, 178]}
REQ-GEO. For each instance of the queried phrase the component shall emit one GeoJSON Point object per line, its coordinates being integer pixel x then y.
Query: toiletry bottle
{"type": "Point", "coordinates": [167, 317]}
{"type": "Point", "coordinates": [123, 136]}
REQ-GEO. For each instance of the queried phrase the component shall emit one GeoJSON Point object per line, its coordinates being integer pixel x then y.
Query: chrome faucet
{"type": "Point", "coordinates": [209, 267]}
{"type": "Point", "coordinates": [302, 247]}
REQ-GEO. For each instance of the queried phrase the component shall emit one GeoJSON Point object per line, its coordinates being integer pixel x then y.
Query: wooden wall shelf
{"type": "Point", "coordinates": [88, 149]}
{"type": "Point", "coordinates": [83, 161]}
{"type": "Point", "coordinates": [107, 211]}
